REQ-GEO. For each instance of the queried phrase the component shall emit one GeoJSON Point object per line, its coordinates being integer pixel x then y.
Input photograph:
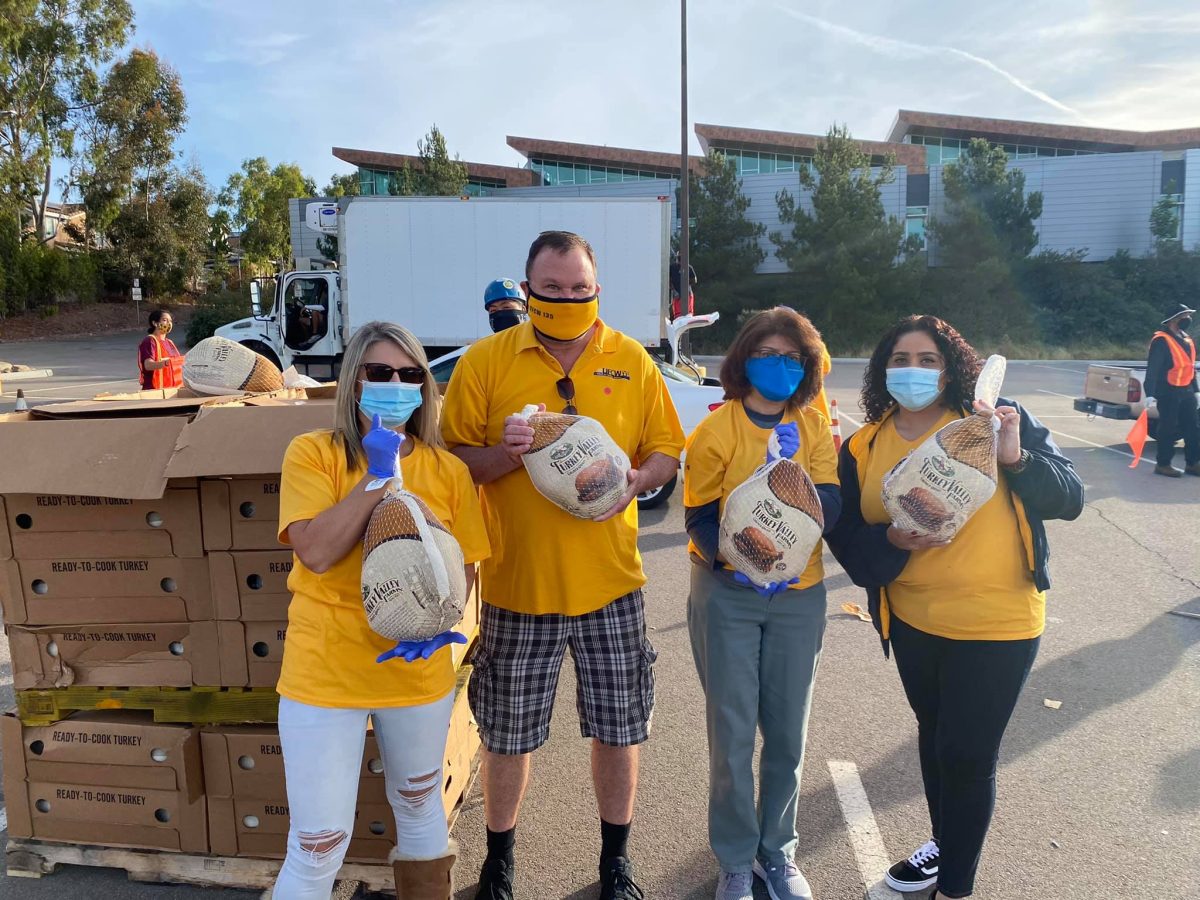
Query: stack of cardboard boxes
{"type": "Point", "coordinates": [139, 549]}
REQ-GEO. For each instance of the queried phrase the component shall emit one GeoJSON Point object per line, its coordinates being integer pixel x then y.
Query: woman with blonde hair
{"type": "Point", "coordinates": [386, 423]}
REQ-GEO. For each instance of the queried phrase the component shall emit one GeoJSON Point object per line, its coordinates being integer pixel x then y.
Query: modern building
{"type": "Point", "coordinates": [1098, 185]}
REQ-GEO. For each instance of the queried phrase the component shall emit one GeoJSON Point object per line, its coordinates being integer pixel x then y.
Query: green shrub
{"type": "Point", "coordinates": [214, 310]}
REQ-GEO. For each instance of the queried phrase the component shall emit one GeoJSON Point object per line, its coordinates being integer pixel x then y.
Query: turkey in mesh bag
{"type": "Point", "coordinates": [940, 485]}
{"type": "Point", "coordinates": [772, 521]}
{"type": "Point", "coordinates": [217, 365]}
{"type": "Point", "coordinates": [414, 585]}
{"type": "Point", "coordinates": [574, 463]}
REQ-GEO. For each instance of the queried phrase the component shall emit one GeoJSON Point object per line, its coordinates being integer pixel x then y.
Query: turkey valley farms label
{"type": "Point", "coordinates": [770, 517]}
{"type": "Point", "coordinates": [569, 457]}
{"type": "Point", "coordinates": [937, 472]}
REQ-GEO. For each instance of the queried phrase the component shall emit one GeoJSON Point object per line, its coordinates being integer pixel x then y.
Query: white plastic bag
{"type": "Point", "coordinates": [574, 463]}
{"type": "Point", "coordinates": [771, 523]}
{"type": "Point", "coordinates": [940, 485]}
{"type": "Point", "coordinates": [413, 581]}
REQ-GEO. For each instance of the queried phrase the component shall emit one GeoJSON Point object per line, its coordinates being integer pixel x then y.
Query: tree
{"type": "Point", "coordinates": [851, 274]}
{"type": "Point", "coordinates": [981, 246]}
{"type": "Point", "coordinates": [437, 176]}
{"type": "Point", "coordinates": [129, 131]}
{"type": "Point", "coordinates": [723, 246]}
{"type": "Point", "coordinates": [343, 185]}
{"type": "Point", "coordinates": [167, 247]}
{"type": "Point", "coordinates": [1164, 218]}
{"type": "Point", "coordinates": [49, 54]}
{"type": "Point", "coordinates": [257, 197]}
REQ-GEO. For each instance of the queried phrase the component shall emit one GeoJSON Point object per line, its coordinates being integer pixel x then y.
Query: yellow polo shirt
{"type": "Point", "coordinates": [726, 449]}
{"type": "Point", "coordinates": [330, 650]}
{"type": "Point", "coordinates": [544, 560]}
{"type": "Point", "coordinates": [979, 587]}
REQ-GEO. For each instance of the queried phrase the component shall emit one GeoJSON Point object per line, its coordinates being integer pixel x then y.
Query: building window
{"type": "Point", "coordinates": [561, 173]}
{"type": "Point", "coordinates": [753, 162]}
{"type": "Point", "coordinates": [914, 223]}
{"type": "Point", "coordinates": [1177, 208]}
{"type": "Point", "coordinates": [941, 150]}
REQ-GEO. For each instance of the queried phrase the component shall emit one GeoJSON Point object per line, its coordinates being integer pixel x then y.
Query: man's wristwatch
{"type": "Point", "coordinates": [1019, 466]}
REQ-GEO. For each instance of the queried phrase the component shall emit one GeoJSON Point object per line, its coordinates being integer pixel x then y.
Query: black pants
{"type": "Point", "coordinates": [1177, 419]}
{"type": "Point", "coordinates": [963, 693]}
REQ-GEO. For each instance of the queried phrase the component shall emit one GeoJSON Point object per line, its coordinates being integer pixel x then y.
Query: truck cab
{"type": "Point", "coordinates": [297, 322]}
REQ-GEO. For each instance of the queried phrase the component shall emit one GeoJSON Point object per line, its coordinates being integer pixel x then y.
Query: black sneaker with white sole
{"type": "Point", "coordinates": [917, 872]}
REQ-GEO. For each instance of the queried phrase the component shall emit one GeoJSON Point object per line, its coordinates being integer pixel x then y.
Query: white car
{"type": "Point", "coordinates": [694, 398]}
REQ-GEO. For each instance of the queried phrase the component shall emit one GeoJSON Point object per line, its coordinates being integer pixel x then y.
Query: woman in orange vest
{"type": "Point", "coordinates": [160, 363]}
{"type": "Point", "coordinates": [1171, 382]}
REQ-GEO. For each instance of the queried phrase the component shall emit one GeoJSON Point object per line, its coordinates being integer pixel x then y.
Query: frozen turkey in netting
{"type": "Point", "coordinates": [940, 485]}
{"type": "Point", "coordinates": [413, 582]}
{"type": "Point", "coordinates": [771, 523]}
{"type": "Point", "coordinates": [217, 365]}
{"type": "Point", "coordinates": [574, 463]}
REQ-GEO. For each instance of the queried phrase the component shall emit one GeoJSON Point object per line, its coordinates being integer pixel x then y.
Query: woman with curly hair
{"type": "Point", "coordinates": [756, 648]}
{"type": "Point", "coordinates": [964, 615]}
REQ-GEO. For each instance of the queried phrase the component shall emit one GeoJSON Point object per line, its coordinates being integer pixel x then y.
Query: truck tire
{"type": "Point", "coordinates": [263, 350]}
{"type": "Point", "coordinates": [658, 496]}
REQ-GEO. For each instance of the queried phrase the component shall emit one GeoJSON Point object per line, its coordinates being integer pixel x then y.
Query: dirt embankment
{"type": "Point", "coordinates": [84, 320]}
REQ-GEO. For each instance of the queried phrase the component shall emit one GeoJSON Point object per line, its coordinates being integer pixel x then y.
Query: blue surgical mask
{"type": "Point", "coordinates": [775, 377]}
{"type": "Point", "coordinates": [392, 401]}
{"type": "Point", "coordinates": [914, 388]}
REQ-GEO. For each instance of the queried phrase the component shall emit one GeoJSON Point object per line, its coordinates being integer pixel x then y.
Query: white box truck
{"type": "Point", "coordinates": [423, 262]}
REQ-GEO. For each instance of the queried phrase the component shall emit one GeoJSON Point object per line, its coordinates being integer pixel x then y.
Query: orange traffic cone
{"type": "Point", "coordinates": [21, 404]}
{"type": "Point", "coordinates": [835, 425]}
{"type": "Point", "coordinates": [1137, 437]}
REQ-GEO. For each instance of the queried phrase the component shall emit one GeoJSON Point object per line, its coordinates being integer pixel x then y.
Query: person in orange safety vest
{"type": "Point", "coordinates": [1171, 383]}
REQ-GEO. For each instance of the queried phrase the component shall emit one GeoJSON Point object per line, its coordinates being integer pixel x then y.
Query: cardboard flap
{"type": "Point", "coordinates": [111, 407]}
{"type": "Point", "coordinates": [98, 457]}
{"type": "Point", "coordinates": [246, 439]}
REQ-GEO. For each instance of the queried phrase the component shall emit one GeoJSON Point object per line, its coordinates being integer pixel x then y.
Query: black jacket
{"type": "Point", "coordinates": [1048, 488]}
{"type": "Point", "coordinates": [1160, 363]}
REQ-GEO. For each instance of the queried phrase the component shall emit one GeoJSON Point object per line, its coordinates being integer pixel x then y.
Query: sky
{"type": "Point", "coordinates": [290, 79]}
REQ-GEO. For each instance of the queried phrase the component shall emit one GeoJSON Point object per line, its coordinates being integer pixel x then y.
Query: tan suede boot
{"type": "Point", "coordinates": [425, 879]}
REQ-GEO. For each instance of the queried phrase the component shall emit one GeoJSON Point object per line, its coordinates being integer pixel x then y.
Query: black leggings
{"type": "Point", "coordinates": [963, 693]}
{"type": "Point", "coordinates": [1177, 419]}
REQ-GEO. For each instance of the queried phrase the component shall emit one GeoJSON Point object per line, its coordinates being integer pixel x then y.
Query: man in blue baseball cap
{"type": "Point", "coordinates": [505, 304]}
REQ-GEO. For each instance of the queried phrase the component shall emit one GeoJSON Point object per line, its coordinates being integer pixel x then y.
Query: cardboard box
{"type": "Point", "coordinates": [134, 654]}
{"type": "Point", "coordinates": [469, 625]}
{"type": "Point", "coordinates": [73, 590]}
{"type": "Point", "coordinates": [251, 586]}
{"type": "Point", "coordinates": [462, 745]}
{"type": "Point", "coordinates": [240, 513]}
{"type": "Point", "coordinates": [251, 653]}
{"type": "Point", "coordinates": [112, 778]}
{"type": "Point", "coordinates": [134, 450]}
{"type": "Point", "coordinates": [259, 828]}
{"type": "Point", "coordinates": [40, 526]}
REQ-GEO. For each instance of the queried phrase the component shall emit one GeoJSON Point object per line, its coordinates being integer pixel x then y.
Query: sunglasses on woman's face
{"type": "Point", "coordinates": [383, 372]}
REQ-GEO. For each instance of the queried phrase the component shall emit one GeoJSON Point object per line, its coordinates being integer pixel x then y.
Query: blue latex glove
{"type": "Point", "coordinates": [410, 651]}
{"type": "Point", "coordinates": [382, 446]}
{"type": "Point", "coordinates": [772, 588]}
{"type": "Point", "coordinates": [789, 441]}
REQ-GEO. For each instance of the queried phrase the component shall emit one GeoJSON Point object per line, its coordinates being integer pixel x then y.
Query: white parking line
{"type": "Point", "coordinates": [867, 843]}
{"type": "Point", "coordinates": [1054, 394]}
{"type": "Point", "coordinates": [74, 386]}
{"type": "Point", "coordinates": [1097, 446]}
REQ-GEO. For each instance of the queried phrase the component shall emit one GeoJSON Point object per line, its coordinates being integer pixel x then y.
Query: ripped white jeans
{"type": "Point", "coordinates": [322, 757]}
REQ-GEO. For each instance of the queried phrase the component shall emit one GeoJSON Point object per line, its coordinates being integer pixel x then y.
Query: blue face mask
{"type": "Point", "coordinates": [914, 388]}
{"type": "Point", "coordinates": [392, 401]}
{"type": "Point", "coordinates": [775, 377]}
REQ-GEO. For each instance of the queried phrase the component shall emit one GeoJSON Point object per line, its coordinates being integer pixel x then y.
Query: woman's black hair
{"type": "Point", "coordinates": [155, 318]}
{"type": "Point", "coordinates": [962, 365]}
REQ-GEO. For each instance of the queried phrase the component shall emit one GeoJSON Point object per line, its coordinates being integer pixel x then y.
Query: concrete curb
{"type": "Point", "coordinates": [25, 376]}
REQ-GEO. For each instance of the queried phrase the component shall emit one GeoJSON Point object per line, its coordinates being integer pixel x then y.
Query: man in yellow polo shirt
{"type": "Point", "coordinates": [554, 581]}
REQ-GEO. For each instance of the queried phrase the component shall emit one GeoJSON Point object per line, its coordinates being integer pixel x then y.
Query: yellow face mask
{"type": "Point", "coordinates": [563, 319]}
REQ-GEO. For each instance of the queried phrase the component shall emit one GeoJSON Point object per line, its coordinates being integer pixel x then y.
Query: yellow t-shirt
{"type": "Point", "coordinates": [726, 449]}
{"type": "Point", "coordinates": [980, 587]}
{"type": "Point", "coordinates": [544, 560]}
{"type": "Point", "coordinates": [330, 650]}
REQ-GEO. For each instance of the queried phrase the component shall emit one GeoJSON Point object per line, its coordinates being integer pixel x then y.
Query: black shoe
{"type": "Point", "coordinates": [616, 880]}
{"type": "Point", "coordinates": [917, 872]}
{"type": "Point", "coordinates": [495, 880]}
{"type": "Point", "coordinates": [1169, 471]}
{"type": "Point", "coordinates": [1193, 469]}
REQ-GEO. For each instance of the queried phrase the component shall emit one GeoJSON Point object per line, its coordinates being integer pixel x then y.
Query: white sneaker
{"type": "Point", "coordinates": [784, 882]}
{"type": "Point", "coordinates": [735, 886]}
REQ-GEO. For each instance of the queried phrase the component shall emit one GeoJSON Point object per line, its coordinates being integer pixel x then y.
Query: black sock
{"type": "Point", "coordinates": [613, 839]}
{"type": "Point", "coordinates": [500, 844]}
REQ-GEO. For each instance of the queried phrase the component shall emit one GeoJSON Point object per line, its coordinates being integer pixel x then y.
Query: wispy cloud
{"type": "Point", "coordinates": [898, 49]}
{"type": "Point", "coordinates": [1110, 25]}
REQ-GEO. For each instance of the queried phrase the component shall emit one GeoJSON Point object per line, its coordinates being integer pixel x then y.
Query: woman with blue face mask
{"type": "Point", "coordinates": [756, 649]}
{"type": "Point", "coordinates": [964, 616]}
{"type": "Point", "coordinates": [385, 423]}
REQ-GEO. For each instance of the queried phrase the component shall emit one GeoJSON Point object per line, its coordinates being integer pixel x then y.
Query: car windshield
{"type": "Point", "coordinates": [671, 373]}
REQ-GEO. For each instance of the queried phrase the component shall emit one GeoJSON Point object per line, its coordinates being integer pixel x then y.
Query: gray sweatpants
{"type": "Point", "coordinates": [757, 659]}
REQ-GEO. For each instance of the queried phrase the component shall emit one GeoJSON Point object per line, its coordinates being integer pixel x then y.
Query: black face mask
{"type": "Point", "coordinates": [1185, 323]}
{"type": "Point", "coordinates": [506, 318]}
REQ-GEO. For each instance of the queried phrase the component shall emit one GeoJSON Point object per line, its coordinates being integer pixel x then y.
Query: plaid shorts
{"type": "Point", "coordinates": [516, 668]}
